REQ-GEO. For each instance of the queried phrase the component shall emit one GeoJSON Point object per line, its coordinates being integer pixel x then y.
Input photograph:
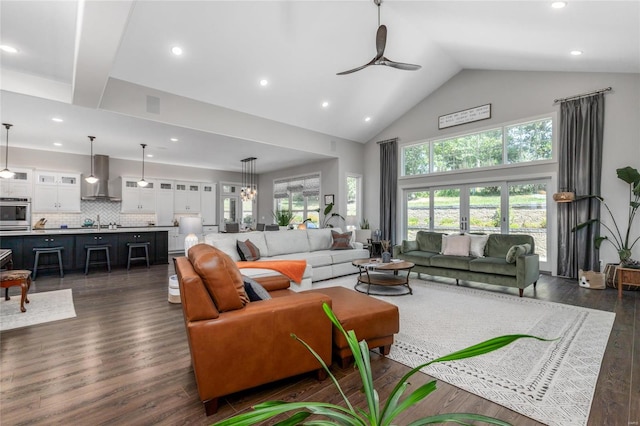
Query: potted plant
{"type": "Point", "coordinates": [283, 217]}
{"type": "Point", "coordinates": [328, 215]}
{"type": "Point", "coordinates": [376, 415]}
{"type": "Point", "coordinates": [363, 235]}
{"type": "Point", "coordinates": [620, 238]}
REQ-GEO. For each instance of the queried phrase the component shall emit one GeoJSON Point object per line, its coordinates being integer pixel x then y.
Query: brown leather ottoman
{"type": "Point", "coordinates": [373, 320]}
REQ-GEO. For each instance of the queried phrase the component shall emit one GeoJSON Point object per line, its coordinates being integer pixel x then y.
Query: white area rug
{"type": "Point", "coordinates": [42, 307]}
{"type": "Point", "coordinates": [551, 382]}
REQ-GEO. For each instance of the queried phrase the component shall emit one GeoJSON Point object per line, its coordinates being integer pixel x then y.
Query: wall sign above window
{"type": "Point", "coordinates": [478, 113]}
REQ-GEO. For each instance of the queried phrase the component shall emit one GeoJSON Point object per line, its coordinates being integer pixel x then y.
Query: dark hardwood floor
{"type": "Point", "coordinates": [125, 360]}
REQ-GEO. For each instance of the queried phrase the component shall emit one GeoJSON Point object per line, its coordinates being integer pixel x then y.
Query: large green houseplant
{"type": "Point", "coordinates": [283, 217]}
{"type": "Point", "coordinates": [620, 238]}
{"type": "Point", "coordinates": [328, 215]}
{"type": "Point", "coordinates": [376, 415]}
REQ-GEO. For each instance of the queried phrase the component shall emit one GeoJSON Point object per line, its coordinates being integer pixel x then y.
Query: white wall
{"type": "Point", "coordinates": [515, 95]}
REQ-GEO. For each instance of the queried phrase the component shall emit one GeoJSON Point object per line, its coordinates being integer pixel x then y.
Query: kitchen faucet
{"type": "Point", "coordinates": [98, 220]}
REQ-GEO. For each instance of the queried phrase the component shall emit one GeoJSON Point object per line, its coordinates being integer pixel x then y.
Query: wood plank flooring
{"type": "Point", "coordinates": [124, 360]}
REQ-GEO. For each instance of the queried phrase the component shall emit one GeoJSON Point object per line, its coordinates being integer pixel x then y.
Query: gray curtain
{"type": "Point", "coordinates": [580, 170]}
{"type": "Point", "coordinates": [388, 188]}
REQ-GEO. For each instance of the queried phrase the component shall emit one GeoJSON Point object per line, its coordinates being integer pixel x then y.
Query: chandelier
{"type": "Point", "coordinates": [249, 180]}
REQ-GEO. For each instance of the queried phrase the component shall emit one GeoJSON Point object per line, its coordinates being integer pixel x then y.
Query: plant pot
{"type": "Point", "coordinates": [611, 277]}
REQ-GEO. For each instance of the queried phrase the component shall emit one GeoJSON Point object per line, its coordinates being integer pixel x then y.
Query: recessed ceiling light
{"type": "Point", "coordinates": [57, 120]}
{"type": "Point", "coordinates": [57, 143]}
{"type": "Point", "coordinates": [367, 119]}
{"type": "Point", "coordinates": [264, 82]}
{"type": "Point", "coordinates": [325, 104]}
{"type": "Point", "coordinates": [576, 52]}
{"type": "Point", "coordinates": [558, 4]}
{"type": "Point", "coordinates": [176, 50]}
{"type": "Point", "coordinates": [174, 139]}
{"type": "Point", "coordinates": [8, 49]}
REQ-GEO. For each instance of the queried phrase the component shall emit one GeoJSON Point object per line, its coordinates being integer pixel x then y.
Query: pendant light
{"type": "Point", "coordinates": [91, 178]}
{"type": "Point", "coordinates": [6, 173]}
{"type": "Point", "coordinates": [143, 182]}
{"type": "Point", "coordinates": [249, 180]}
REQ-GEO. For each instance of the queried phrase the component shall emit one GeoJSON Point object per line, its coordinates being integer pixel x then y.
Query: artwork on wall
{"type": "Point", "coordinates": [328, 199]}
{"type": "Point", "coordinates": [482, 112]}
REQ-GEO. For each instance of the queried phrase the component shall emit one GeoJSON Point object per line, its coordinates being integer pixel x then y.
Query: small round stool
{"type": "Point", "coordinates": [133, 246]}
{"type": "Point", "coordinates": [97, 248]}
{"type": "Point", "coordinates": [47, 250]}
{"type": "Point", "coordinates": [13, 278]}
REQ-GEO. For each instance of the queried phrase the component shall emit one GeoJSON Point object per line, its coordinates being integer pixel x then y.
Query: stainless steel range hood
{"type": "Point", "coordinates": [104, 189]}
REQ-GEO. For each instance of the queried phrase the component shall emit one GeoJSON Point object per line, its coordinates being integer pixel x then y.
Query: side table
{"type": "Point", "coordinates": [627, 276]}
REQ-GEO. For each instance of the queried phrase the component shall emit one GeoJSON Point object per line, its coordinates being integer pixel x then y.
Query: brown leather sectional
{"type": "Point", "coordinates": [236, 344]}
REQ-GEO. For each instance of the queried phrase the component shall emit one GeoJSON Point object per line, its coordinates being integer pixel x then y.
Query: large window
{"type": "Point", "coordinates": [301, 195]}
{"type": "Point", "coordinates": [514, 143]}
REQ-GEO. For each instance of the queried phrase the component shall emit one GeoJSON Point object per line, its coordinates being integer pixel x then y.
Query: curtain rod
{"type": "Point", "coordinates": [595, 92]}
{"type": "Point", "coordinates": [387, 141]}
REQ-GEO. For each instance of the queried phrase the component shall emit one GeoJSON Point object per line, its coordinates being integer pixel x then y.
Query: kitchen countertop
{"type": "Point", "coordinates": [86, 230]}
{"type": "Point", "coordinates": [71, 231]}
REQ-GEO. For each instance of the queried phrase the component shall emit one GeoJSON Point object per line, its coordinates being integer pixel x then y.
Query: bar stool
{"type": "Point", "coordinates": [47, 250]}
{"type": "Point", "coordinates": [97, 248]}
{"type": "Point", "coordinates": [133, 246]}
{"type": "Point", "coordinates": [16, 277]}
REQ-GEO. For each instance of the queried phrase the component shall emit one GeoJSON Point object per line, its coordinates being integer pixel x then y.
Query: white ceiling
{"type": "Point", "coordinates": [64, 68]}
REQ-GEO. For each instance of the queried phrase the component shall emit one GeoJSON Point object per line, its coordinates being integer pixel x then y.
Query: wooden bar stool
{"type": "Point", "coordinates": [97, 248]}
{"type": "Point", "coordinates": [13, 278]}
{"type": "Point", "coordinates": [47, 250]}
{"type": "Point", "coordinates": [133, 246]}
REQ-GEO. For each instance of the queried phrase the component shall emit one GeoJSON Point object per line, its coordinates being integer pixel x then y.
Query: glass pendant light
{"type": "Point", "coordinates": [143, 182]}
{"type": "Point", "coordinates": [91, 178]}
{"type": "Point", "coordinates": [6, 173]}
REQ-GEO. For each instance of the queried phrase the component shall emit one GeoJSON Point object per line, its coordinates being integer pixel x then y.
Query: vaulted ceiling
{"type": "Point", "coordinates": [81, 61]}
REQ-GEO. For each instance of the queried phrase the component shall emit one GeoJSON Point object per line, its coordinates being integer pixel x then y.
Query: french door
{"type": "Point", "coordinates": [507, 207]}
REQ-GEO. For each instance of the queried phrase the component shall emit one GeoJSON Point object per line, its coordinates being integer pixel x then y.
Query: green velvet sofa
{"type": "Point", "coordinates": [492, 268]}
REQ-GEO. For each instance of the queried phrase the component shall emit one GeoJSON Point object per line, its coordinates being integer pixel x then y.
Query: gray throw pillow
{"type": "Point", "coordinates": [254, 290]}
{"type": "Point", "coordinates": [514, 252]}
{"type": "Point", "coordinates": [247, 250]}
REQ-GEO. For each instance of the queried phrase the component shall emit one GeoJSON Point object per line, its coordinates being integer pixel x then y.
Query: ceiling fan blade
{"type": "Point", "coordinates": [381, 40]}
{"type": "Point", "coordinates": [372, 62]}
{"type": "Point", "coordinates": [399, 65]}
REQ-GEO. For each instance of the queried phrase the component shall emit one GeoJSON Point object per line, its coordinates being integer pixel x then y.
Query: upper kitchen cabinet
{"type": "Point", "coordinates": [208, 206]}
{"type": "Point", "coordinates": [56, 192]}
{"type": "Point", "coordinates": [164, 202]}
{"type": "Point", "coordinates": [186, 197]}
{"type": "Point", "coordinates": [138, 199]}
{"type": "Point", "coordinates": [20, 185]}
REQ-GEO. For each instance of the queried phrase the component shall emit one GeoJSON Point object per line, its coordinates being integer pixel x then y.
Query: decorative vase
{"type": "Point", "coordinates": [386, 257]}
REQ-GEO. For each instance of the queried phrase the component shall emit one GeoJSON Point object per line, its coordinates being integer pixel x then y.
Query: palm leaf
{"type": "Point", "coordinates": [459, 418]}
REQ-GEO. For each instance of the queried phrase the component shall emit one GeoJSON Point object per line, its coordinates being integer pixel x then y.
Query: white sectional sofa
{"type": "Point", "coordinates": [312, 245]}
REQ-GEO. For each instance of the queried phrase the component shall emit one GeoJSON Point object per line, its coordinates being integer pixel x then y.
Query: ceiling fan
{"type": "Point", "coordinates": [380, 59]}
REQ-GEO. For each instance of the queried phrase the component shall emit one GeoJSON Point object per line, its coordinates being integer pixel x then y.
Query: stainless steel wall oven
{"type": "Point", "coordinates": [15, 214]}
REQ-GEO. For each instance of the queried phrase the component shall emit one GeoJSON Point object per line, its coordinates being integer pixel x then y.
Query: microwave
{"type": "Point", "coordinates": [15, 214]}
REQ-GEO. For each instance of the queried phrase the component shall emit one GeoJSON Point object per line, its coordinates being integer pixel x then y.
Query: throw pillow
{"type": "Point", "coordinates": [341, 241]}
{"type": "Point", "coordinates": [443, 246]}
{"type": "Point", "coordinates": [408, 246]}
{"type": "Point", "coordinates": [514, 252]}
{"type": "Point", "coordinates": [457, 245]}
{"type": "Point", "coordinates": [527, 248]}
{"type": "Point", "coordinates": [478, 242]}
{"type": "Point", "coordinates": [247, 250]}
{"type": "Point", "coordinates": [254, 290]}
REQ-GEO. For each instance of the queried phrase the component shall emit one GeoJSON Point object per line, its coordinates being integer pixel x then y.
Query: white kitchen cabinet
{"type": "Point", "coordinates": [186, 197]}
{"type": "Point", "coordinates": [164, 202]}
{"type": "Point", "coordinates": [208, 203]}
{"type": "Point", "coordinates": [56, 192]}
{"type": "Point", "coordinates": [176, 241]}
{"type": "Point", "coordinates": [138, 199]}
{"type": "Point", "coordinates": [20, 185]}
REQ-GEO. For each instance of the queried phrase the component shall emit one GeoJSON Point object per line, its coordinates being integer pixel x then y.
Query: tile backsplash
{"type": "Point", "coordinates": [109, 212]}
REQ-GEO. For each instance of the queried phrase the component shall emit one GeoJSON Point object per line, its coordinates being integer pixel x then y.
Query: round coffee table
{"type": "Point", "coordinates": [374, 272]}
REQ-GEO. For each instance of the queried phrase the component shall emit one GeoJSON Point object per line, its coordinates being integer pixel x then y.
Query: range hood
{"type": "Point", "coordinates": [103, 190]}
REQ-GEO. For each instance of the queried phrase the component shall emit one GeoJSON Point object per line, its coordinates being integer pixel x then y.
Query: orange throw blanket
{"type": "Point", "coordinates": [294, 269]}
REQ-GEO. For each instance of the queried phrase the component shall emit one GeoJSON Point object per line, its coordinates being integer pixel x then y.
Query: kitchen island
{"type": "Point", "coordinates": [73, 241]}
